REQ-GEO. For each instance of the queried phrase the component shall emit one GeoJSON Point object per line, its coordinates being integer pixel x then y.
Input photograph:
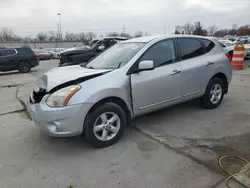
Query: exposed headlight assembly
{"type": "Point", "coordinates": [61, 97]}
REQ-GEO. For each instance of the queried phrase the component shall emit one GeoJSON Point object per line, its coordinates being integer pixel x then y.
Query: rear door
{"type": "Point", "coordinates": [8, 59]}
{"type": "Point", "coordinates": [196, 66]}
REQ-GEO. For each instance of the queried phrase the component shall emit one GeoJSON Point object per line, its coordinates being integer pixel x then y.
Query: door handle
{"type": "Point", "coordinates": [209, 63]}
{"type": "Point", "coordinates": [175, 72]}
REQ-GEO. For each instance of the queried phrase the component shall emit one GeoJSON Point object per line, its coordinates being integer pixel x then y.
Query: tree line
{"type": "Point", "coordinates": [7, 34]}
{"type": "Point", "coordinates": [198, 29]}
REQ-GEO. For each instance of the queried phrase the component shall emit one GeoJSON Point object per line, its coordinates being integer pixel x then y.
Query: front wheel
{"type": "Point", "coordinates": [214, 94]}
{"type": "Point", "coordinates": [24, 67]}
{"type": "Point", "coordinates": [105, 125]}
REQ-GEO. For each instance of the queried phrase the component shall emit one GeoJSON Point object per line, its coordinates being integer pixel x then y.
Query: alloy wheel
{"type": "Point", "coordinates": [107, 126]}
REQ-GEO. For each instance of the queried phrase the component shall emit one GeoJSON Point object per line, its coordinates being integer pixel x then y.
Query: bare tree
{"type": "Point", "coordinates": [89, 36]}
{"type": "Point", "coordinates": [198, 29]}
{"type": "Point", "coordinates": [81, 36]}
{"type": "Point", "coordinates": [52, 36]}
{"type": "Point", "coordinates": [138, 34]}
{"type": "Point", "coordinates": [212, 30]}
{"type": "Point", "coordinates": [41, 36]}
{"type": "Point", "coordinates": [6, 34]}
{"type": "Point", "coordinates": [71, 36]}
{"type": "Point", "coordinates": [188, 28]}
{"type": "Point", "coordinates": [27, 38]}
{"type": "Point", "coordinates": [126, 35]}
{"type": "Point", "coordinates": [178, 29]}
{"type": "Point", "coordinates": [113, 34]}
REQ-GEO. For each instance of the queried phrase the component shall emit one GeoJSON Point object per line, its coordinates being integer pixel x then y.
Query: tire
{"type": "Point", "coordinates": [231, 54]}
{"type": "Point", "coordinates": [95, 118]}
{"type": "Point", "coordinates": [24, 67]}
{"type": "Point", "coordinates": [209, 101]}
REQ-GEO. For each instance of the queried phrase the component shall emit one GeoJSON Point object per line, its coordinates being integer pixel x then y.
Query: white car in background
{"type": "Point", "coordinates": [228, 46]}
{"type": "Point", "coordinates": [55, 52]}
{"type": "Point", "coordinates": [246, 43]}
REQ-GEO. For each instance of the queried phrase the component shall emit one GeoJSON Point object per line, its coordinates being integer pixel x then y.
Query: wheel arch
{"type": "Point", "coordinates": [223, 77]}
{"type": "Point", "coordinates": [116, 100]}
{"type": "Point", "coordinates": [23, 60]}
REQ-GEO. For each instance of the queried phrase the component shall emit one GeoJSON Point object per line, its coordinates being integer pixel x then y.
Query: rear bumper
{"type": "Point", "coordinates": [35, 63]}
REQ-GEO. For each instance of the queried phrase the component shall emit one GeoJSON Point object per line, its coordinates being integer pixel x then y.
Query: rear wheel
{"type": "Point", "coordinates": [105, 125]}
{"type": "Point", "coordinates": [24, 66]}
{"type": "Point", "coordinates": [214, 94]}
{"type": "Point", "coordinates": [231, 54]}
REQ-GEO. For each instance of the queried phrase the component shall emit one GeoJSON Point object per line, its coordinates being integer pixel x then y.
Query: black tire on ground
{"type": "Point", "coordinates": [205, 100]}
{"type": "Point", "coordinates": [24, 67]}
{"type": "Point", "coordinates": [93, 116]}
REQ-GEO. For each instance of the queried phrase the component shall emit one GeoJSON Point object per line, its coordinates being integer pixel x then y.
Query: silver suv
{"type": "Point", "coordinates": [131, 78]}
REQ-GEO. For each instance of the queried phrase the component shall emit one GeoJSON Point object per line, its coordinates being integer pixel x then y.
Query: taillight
{"type": "Point", "coordinates": [35, 54]}
{"type": "Point", "coordinates": [229, 57]}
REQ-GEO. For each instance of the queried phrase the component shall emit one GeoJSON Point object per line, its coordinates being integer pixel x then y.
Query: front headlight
{"type": "Point", "coordinates": [61, 97]}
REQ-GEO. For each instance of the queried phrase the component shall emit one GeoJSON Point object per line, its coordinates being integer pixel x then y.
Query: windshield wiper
{"type": "Point", "coordinates": [119, 65]}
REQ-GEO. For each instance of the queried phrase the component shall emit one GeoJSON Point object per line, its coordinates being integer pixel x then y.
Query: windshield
{"type": "Point", "coordinates": [115, 57]}
{"type": "Point", "coordinates": [93, 42]}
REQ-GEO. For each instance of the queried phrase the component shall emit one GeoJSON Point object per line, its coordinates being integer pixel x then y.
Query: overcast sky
{"type": "Point", "coordinates": [27, 17]}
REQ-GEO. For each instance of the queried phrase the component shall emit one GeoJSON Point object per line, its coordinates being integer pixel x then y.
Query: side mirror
{"type": "Point", "coordinates": [100, 48]}
{"type": "Point", "coordinates": [146, 65]}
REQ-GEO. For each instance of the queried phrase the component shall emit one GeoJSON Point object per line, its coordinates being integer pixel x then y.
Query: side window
{"type": "Point", "coordinates": [189, 48]}
{"type": "Point", "coordinates": [8, 52]}
{"type": "Point", "coordinates": [209, 45]}
{"type": "Point", "coordinates": [161, 53]}
{"type": "Point", "coordinates": [24, 50]}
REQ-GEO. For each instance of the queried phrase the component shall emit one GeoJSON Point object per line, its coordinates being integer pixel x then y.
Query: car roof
{"type": "Point", "coordinates": [116, 38]}
{"type": "Point", "coordinates": [150, 38]}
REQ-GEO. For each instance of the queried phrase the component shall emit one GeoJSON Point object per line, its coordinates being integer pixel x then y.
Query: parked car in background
{"type": "Point", "coordinates": [246, 43]}
{"type": "Point", "coordinates": [55, 52]}
{"type": "Point", "coordinates": [84, 53]}
{"type": "Point", "coordinates": [228, 46]}
{"type": "Point", "coordinates": [21, 59]}
{"type": "Point", "coordinates": [131, 78]}
{"type": "Point", "coordinates": [58, 51]}
{"type": "Point", "coordinates": [42, 54]}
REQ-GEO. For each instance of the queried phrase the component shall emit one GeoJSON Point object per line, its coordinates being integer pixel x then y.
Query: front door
{"type": "Point", "coordinates": [155, 89]}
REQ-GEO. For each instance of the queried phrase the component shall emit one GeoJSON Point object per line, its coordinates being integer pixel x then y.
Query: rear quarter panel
{"type": "Point", "coordinates": [221, 62]}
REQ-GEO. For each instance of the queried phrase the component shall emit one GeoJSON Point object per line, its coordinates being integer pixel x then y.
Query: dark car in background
{"type": "Point", "coordinates": [43, 54]}
{"type": "Point", "coordinates": [21, 59]}
{"type": "Point", "coordinates": [82, 54]}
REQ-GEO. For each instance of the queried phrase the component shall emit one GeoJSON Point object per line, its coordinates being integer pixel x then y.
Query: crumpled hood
{"type": "Point", "coordinates": [61, 75]}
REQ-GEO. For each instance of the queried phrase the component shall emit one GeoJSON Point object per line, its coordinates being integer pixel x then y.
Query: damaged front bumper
{"type": "Point", "coordinates": [61, 121]}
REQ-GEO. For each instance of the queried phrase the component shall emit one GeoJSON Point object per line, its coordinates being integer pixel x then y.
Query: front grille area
{"type": "Point", "coordinates": [37, 96]}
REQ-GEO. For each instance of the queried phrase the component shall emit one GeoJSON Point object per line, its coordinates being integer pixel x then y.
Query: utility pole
{"type": "Point", "coordinates": [60, 26]}
{"type": "Point", "coordinates": [165, 30]}
{"type": "Point", "coordinates": [124, 30]}
{"type": "Point", "coordinates": [58, 31]}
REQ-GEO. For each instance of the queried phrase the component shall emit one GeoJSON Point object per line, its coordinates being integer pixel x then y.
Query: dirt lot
{"type": "Point", "coordinates": [176, 147]}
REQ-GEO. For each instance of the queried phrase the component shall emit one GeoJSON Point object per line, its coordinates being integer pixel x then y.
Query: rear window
{"type": "Point", "coordinates": [25, 51]}
{"type": "Point", "coordinates": [189, 48]}
{"type": "Point", "coordinates": [209, 45]}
